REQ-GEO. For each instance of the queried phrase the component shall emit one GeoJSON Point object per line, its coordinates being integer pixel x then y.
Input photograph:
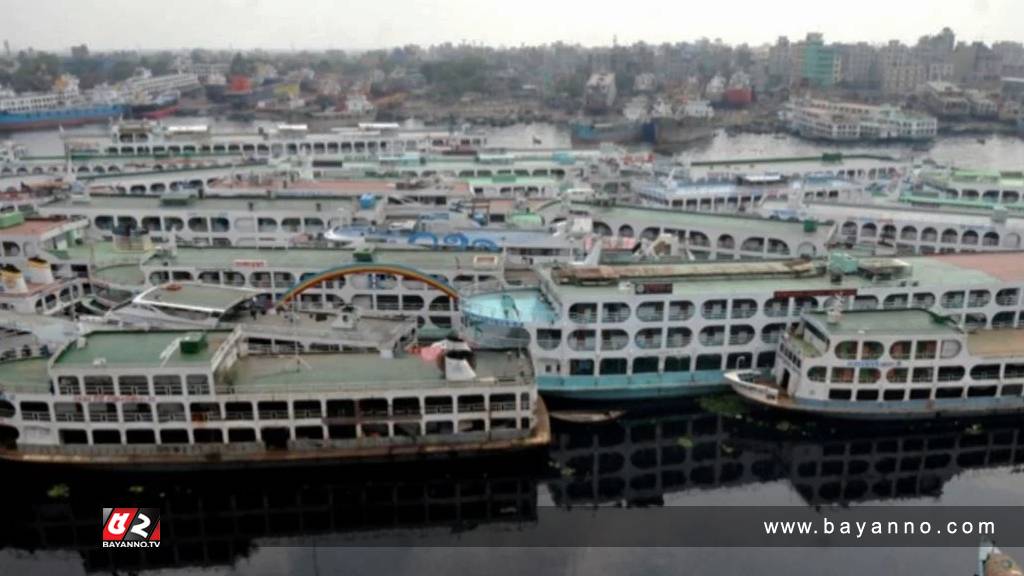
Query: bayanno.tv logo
{"type": "Point", "coordinates": [131, 528]}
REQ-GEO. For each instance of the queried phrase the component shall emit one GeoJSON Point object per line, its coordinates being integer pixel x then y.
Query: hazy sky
{"type": "Point", "coordinates": [283, 24]}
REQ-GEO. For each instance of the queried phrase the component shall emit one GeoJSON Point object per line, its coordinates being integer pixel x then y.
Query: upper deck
{"type": "Point", "coordinates": [148, 349]}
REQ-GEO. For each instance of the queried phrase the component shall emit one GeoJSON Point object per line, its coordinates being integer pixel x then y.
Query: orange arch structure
{"type": "Point", "coordinates": [368, 268]}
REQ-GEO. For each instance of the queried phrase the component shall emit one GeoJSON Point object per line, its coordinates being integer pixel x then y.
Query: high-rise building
{"type": "Point", "coordinates": [819, 65]}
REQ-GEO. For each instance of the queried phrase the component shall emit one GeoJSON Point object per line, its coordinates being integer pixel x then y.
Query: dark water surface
{"type": "Point", "coordinates": [346, 519]}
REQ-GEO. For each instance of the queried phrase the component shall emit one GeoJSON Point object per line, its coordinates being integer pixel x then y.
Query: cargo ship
{"type": "Point", "coordinates": [63, 106]}
{"type": "Point", "coordinates": [621, 132]}
{"type": "Point", "coordinates": [155, 108]}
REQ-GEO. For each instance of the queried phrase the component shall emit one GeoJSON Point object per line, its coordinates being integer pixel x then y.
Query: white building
{"type": "Point", "coordinates": [850, 121]}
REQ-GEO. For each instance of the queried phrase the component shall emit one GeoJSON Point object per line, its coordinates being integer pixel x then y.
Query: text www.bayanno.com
{"type": "Point", "coordinates": [860, 529]}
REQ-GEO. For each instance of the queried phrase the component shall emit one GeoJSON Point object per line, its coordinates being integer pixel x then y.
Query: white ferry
{"type": "Point", "coordinates": [364, 141]}
{"type": "Point", "coordinates": [649, 329]}
{"type": "Point", "coordinates": [890, 364]}
{"type": "Point", "coordinates": [196, 399]}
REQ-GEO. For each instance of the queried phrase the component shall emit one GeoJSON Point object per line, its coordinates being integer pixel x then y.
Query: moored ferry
{"type": "Point", "coordinates": [890, 364]}
{"type": "Point", "coordinates": [198, 399]}
{"type": "Point", "coordinates": [655, 329]}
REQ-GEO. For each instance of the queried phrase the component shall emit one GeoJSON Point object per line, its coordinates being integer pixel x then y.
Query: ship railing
{"type": "Point", "coordinates": [503, 406]}
{"type": "Point", "coordinates": [583, 318]}
{"type": "Point", "coordinates": [646, 316]}
{"type": "Point", "coordinates": [171, 417]}
{"type": "Point", "coordinates": [138, 417]}
{"type": "Point", "coordinates": [1006, 300]}
{"type": "Point", "coordinates": [744, 312]}
{"type": "Point", "coordinates": [238, 415]}
{"type": "Point", "coordinates": [472, 407]}
{"type": "Point", "coordinates": [440, 409]}
{"type": "Point", "coordinates": [273, 414]}
{"type": "Point", "coordinates": [549, 343]}
{"type": "Point", "coordinates": [616, 316]}
{"type": "Point", "coordinates": [648, 343]}
{"type": "Point", "coordinates": [740, 339]}
{"type": "Point", "coordinates": [900, 355]}
{"type": "Point", "coordinates": [103, 417]}
{"type": "Point", "coordinates": [307, 413]}
{"type": "Point", "coordinates": [680, 315]}
{"type": "Point", "coordinates": [775, 311]}
{"type": "Point", "coordinates": [949, 378]}
{"type": "Point", "coordinates": [714, 314]}
{"type": "Point", "coordinates": [35, 416]}
{"type": "Point", "coordinates": [977, 302]}
{"type": "Point", "coordinates": [678, 342]}
{"type": "Point", "coordinates": [69, 417]}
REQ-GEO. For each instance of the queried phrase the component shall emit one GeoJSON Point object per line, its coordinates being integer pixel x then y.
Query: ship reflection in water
{"type": "Point", "coordinates": [637, 460]}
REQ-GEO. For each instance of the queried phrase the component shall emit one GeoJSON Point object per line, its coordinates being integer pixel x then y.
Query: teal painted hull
{"type": "Point", "coordinates": [636, 387]}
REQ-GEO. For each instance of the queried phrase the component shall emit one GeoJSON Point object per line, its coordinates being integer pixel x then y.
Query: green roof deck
{"type": "Point", "coordinates": [204, 297]}
{"type": "Point", "coordinates": [319, 258]}
{"type": "Point", "coordinates": [888, 322]}
{"type": "Point", "coordinates": [25, 375]}
{"type": "Point", "coordinates": [355, 371]}
{"type": "Point", "coordinates": [142, 349]}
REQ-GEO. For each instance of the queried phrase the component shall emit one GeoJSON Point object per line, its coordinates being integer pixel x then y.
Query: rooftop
{"type": "Point", "coordinates": [191, 296]}
{"type": "Point", "coordinates": [317, 258]}
{"type": "Point", "coordinates": [151, 349]}
{"type": "Point", "coordinates": [357, 371]}
{"type": "Point", "coordinates": [25, 375]}
{"type": "Point", "coordinates": [900, 322]}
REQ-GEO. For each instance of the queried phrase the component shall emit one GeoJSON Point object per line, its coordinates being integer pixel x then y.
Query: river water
{"type": "Point", "coordinates": [996, 151]}
{"type": "Point", "coordinates": [330, 520]}
{"type": "Point", "coordinates": [473, 517]}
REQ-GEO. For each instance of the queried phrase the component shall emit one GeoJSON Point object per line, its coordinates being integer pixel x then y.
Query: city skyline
{"type": "Point", "coordinates": [55, 25]}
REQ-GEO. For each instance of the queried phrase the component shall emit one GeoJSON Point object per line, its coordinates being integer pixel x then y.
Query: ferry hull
{"type": "Point", "coordinates": [612, 388]}
{"type": "Point", "coordinates": [769, 396]}
{"type": "Point", "coordinates": [10, 122]}
{"type": "Point", "coordinates": [213, 459]}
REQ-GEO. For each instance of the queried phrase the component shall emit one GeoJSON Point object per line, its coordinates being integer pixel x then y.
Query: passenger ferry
{"type": "Point", "coordinates": [198, 399]}
{"type": "Point", "coordinates": [367, 140]}
{"type": "Point", "coordinates": [890, 364]}
{"type": "Point", "coordinates": [654, 329]}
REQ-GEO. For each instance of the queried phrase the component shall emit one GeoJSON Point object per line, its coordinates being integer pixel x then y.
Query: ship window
{"type": "Point", "coordinates": [900, 350]}
{"type": "Point", "coordinates": [817, 374]}
{"type": "Point", "coordinates": [68, 385]}
{"type": "Point", "coordinates": [347, 408]}
{"type": "Point", "coordinates": [106, 436]}
{"type": "Point", "coordinates": [308, 408]}
{"type": "Point", "coordinates": [439, 427]}
{"type": "Point", "coordinates": [840, 394]}
{"type": "Point", "coordinates": [920, 393]}
{"type": "Point", "coordinates": [923, 375]}
{"type": "Point", "coordinates": [471, 403]}
{"type": "Point", "coordinates": [846, 350]}
{"type": "Point", "coordinates": [981, 391]}
{"type": "Point", "coordinates": [872, 350]}
{"type": "Point", "coordinates": [341, 432]}
{"type": "Point", "coordinates": [167, 385]}
{"type": "Point", "coordinates": [897, 375]}
{"type": "Point", "coordinates": [140, 437]}
{"type": "Point", "coordinates": [738, 361]}
{"type": "Point", "coordinates": [951, 373]}
{"type": "Point", "coordinates": [925, 350]}
{"type": "Point", "coordinates": [950, 348]}
{"type": "Point", "coordinates": [868, 375]}
{"type": "Point", "coordinates": [677, 364]}
{"type": "Point", "coordinates": [893, 394]}
{"type": "Point", "coordinates": [709, 362]}
{"type": "Point", "coordinates": [985, 372]}
{"type": "Point", "coordinates": [1012, 390]}
{"type": "Point", "coordinates": [436, 405]}
{"type": "Point", "coordinates": [766, 359]}
{"type": "Point", "coordinates": [645, 365]}
{"type": "Point", "coordinates": [613, 366]}
{"type": "Point", "coordinates": [241, 435]}
{"type": "Point", "coordinates": [842, 375]}
{"type": "Point", "coordinates": [956, 392]}
{"type": "Point", "coordinates": [174, 436]}
{"type": "Point", "coordinates": [867, 395]}
{"type": "Point", "coordinates": [315, 432]}
{"type": "Point", "coordinates": [208, 436]}
{"type": "Point", "coordinates": [99, 385]}
{"type": "Point", "coordinates": [74, 437]}
{"type": "Point", "coordinates": [133, 385]}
